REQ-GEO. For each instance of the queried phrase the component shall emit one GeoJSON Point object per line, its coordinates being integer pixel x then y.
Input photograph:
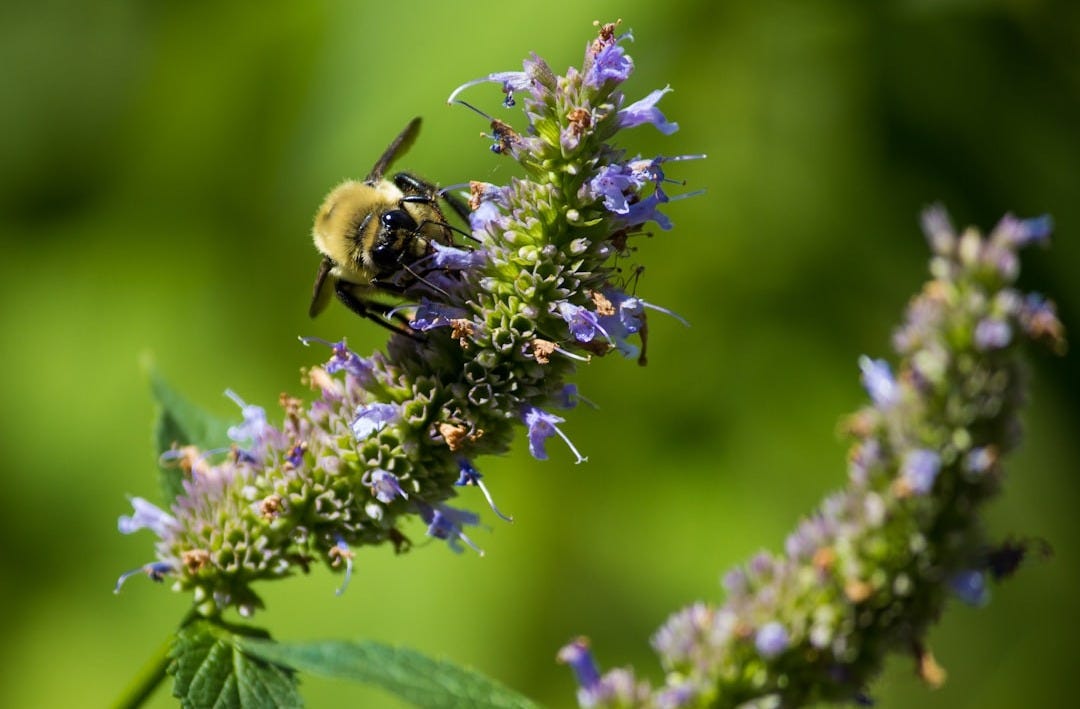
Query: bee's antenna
{"type": "Point", "coordinates": [471, 107]}
{"type": "Point", "coordinates": [464, 233]}
{"type": "Point", "coordinates": [423, 280]}
{"type": "Point", "coordinates": [446, 225]}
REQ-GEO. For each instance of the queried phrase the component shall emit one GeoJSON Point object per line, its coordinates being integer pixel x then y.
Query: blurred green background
{"type": "Point", "coordinates": [160, 166]}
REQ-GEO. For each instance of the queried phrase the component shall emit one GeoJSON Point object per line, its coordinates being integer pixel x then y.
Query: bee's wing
{"type": "Point", "coordinates": [323, 288]}
{"type": "Point", "coordinates": [400, 146]}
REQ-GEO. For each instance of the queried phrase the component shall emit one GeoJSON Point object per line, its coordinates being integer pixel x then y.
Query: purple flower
{"type": "Point", "coordinates": [457, 259]}
{"type": "Point", "coordinates": [1017, 233]}
{"type": "Point", "coordinates": [771, 640]}
{"type": "Point", "coordinates": [1038, 317]}
{"type": "Point", "coordinates": [647, 210]}
{"type": "Point", "coordinates": [578, 656]}
{"type": "Point", "coordinates": [992, 334]}
{"type": "Point", "coordinates": [486, 213]}
{"type": "Point", "coordinates": [584, 323]}
{"type": "Point", "coordinates": [342, 359]}
{"type": "Point", "coordinates": [542, 426]}
{"type": "Point", "coordinates": [445, 522]}
{"type": "Point", "coordinates": [980, 460]}
{"type": "Point", "coordinates": [469, 475]}
{"type": "Point", "coordinates": [488, 203]}
{"type": "Point", "coordinates": [614, 182]}
{"type": "Point", "coordinates": [628, 318]}
{"type": "Point", "coordinates": [432, 315]}
{"type": "Point", "coordinates": [147, 516]}
{"type": "Point", "coordinates": [340, 551]}
{"type": "Point", "coordinates": [254, 428]}
{"type": "Point", "coordinates": [938, 229]}
{"type": "Point", "coordinates": [865, 457]}
{"type": "Point", "coordinates": [568, 397]}
{"type": "Point", "coordinates": [970, 587]}
{"type": "Point", "coordinates": [371, 418]}
{"type": "Point", "coordinates": [511, 81]}
{"type": "Point", "coordinates": [878, 380]}
{"type": "Point", "coordinates": [384, 486]}
{"type": "Point", "coordinates": [611, 63]}
{"type": "Point", "coordinates": [920, 469]}
{"type": "Point", "coordinates": [645, 111]}
{"type": "Point", "coordinates": [156, 571]}
{"type": "Point", "coordinates": [296, 455]}
{"type": "Point", "coordinates": [735, 582]}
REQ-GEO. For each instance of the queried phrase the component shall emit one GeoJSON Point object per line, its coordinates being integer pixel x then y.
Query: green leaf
{"type": "Point", "coordinates": [410, 675]}
{"type": "Point", "coordinates": [211, 668]}
{"type": "Point", "coordinates": [181, 423]}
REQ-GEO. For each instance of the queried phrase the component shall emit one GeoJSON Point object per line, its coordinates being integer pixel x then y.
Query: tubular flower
{"type": "Point", "coordinates": [489, 334]}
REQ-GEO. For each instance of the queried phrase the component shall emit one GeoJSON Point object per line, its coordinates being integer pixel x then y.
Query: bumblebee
{"type": "Point", "coordinates": [371, 233]}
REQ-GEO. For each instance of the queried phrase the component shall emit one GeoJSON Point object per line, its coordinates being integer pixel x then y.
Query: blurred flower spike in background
{"type": "Point", "coordinates": [871, 570]}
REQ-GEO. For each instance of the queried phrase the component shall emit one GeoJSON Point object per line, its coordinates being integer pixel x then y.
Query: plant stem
{"type": "Point", "coordinates": [148, 679]}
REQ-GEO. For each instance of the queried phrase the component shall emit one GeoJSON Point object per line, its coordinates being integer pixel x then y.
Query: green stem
{"type": "Point", "coordinates": [146, 681]}
{"type": "Point", "coordinates": [151, 675]}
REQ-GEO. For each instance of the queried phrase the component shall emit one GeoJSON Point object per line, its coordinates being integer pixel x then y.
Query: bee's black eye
{"type": "Point", "coordinates": [385, 254]}
{"type": "Point", "coordinates": [398, 219]}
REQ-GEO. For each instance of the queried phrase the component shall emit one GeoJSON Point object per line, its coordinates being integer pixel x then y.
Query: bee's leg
{"type": "Point", "coordinates": [413, 185]}
{"type": "Point", "coordinates": [457, 204]}
{"type": "Point", "coordinates": [374, 311]}
{"type": "Point", "coordinates": [417, 190]}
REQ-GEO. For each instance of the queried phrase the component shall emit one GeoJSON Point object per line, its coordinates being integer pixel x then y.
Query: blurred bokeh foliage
{"type": "Point", "coordinates": [160, 166]}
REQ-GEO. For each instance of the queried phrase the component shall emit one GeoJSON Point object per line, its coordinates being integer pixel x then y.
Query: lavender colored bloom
{"type": "Point", "coordinates": [735, 581]}
{"type": "Point", "coordinates": [584, 323]}
{"type": "Point", "coordinates": [432, 315]}
{"type": "Point", "coordinates": [614, 182]}
{"type": "Point", "coordinates": [469, 475]}
{"type": "Point", "coordinates": [578, 656]}
{"type": "Point", "coordinates": [1017, 233]}
{"type": "Point", "coordinates": [771, 640]}
{"type": "Point", "coordinates": [980, 460]}
{"type": "Point", "coordinates": [938, 229]}
{"type": "Point", "coordinates": [296, 455]}
{"type": "Point", "coordinates": [542, 426]}
{"type": "Point", "coordinates": [865, 457]}
{"type": "Point", "coordinates": [568, 396]}
{"type": "Point", "coordinates": [647, 210]}
{"type": "Point", "coordinates": [147, 516]}
{"type": "Point", "coordinates": [645, 111]}
{"type": "Point", "coordinates": [371, 418]}
{"type": "Point", "coordinates": [384, 486]}
{"type": "Point", "coordinates": [510, 80]}
{"type": "Point", "coordinates": [254, 428]}
{"type": "Point", "coordinates": [992, 334]}
{"type": "Point", "coordinates": [342, 358]}
{"type": "Point", "coordinates": [970, 587]}
{"type": "Point", "coordinates": [920, 469]}
{"type": "Point", "coordinates": [445, 522]}
{"type": "Point", "coordinates": [612, 64]}
{"type": "Point", "coordinates": [340, 551]}
{"type": "Point", "coordinates": [457, 259]}
{"type": "Point", "coordinates": [878, 380]}
{"type": "Point", "coordinates": [1039, 320]}
{"type": "Point", "coordinates": [156, 571]}
{"type": "Point", "coordinates": [486, 214]}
